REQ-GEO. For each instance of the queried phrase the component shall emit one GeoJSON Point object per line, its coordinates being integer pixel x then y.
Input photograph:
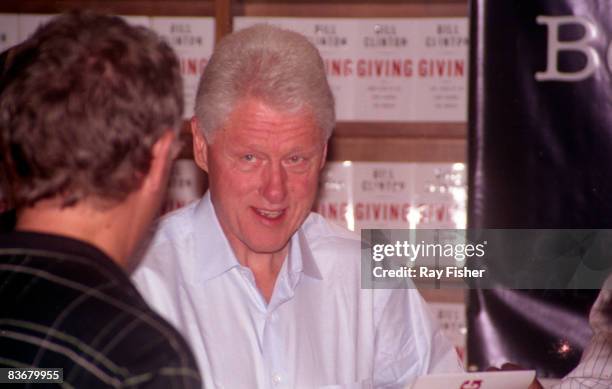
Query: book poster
{"type": "Point", "coordinates": [360, 195]}
{"type": "Point", "coordinates": [193, 39]}
{"type": "Point", "coordinates": [407, 70]}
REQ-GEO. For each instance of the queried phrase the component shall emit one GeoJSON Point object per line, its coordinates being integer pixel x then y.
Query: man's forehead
{"type": "Point", "coordinates": [261, 140]}
{"type": "Point", "coordinates": [253, 109]}
{"type": "Point", "coordinates": [257, 120]}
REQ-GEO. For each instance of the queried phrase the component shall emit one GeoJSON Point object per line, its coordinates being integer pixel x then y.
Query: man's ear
{"type": "Point", "coordinates": [162, 157]}
{"type": "Point", "coordinates": [200, 146]}
{"type": "Point", "coordinates": [324, 156]}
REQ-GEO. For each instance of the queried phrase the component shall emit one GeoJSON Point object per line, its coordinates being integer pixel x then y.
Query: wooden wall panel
{"type": "Point", "coordinates": [415, 129]}
{"type": "Point", "coordinates": [373, 8]}
{"type": "Point", "coordinates": [223, 19]}
{"type": "Point", "coordinates": [398, 149]}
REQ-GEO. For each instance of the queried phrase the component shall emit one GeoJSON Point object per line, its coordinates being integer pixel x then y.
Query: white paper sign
{"type": "Point", "coordinates": [193, 39]}
{"type": "Point", "coordinates": [393, 195]}
{"type": "Point", "coordinates": [9, 30]}
{"type": "Point", "coordinates": [389, 69]}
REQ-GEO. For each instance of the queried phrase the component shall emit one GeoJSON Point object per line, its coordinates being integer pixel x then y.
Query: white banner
{"type": "Point", "coordinates": [393, 195]}
{"type": "Point", "coordinates": [193, 39]}
{"type": "Point", "coordinates": [409, 70]}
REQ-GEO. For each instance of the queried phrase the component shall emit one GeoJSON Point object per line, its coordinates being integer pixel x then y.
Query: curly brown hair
{"type": "Point", "coordinates": [81, 104]}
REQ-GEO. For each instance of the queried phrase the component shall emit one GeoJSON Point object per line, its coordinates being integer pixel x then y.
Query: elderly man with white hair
{"type": "Point", "coordinates": [267, 293]}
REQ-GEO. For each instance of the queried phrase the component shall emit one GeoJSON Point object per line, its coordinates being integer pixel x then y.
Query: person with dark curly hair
{"type": "Point", "coordinates": [89, 111]}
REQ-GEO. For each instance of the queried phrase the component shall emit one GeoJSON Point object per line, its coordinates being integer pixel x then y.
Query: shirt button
{"type": "Point", "coordinates": [276, 378]}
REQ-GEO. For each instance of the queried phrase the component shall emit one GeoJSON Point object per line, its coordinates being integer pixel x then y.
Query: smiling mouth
{"type": "Point", "coordinates": [269, 214]}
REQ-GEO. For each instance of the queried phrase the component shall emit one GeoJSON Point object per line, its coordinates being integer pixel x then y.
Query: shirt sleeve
{"type": "Point", "coordinates": [409, 342]}
{"type": "Point", "coordinates": [595, 368]}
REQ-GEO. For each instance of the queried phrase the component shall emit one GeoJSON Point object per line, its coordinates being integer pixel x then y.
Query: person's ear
{"type": "Point", "coordinates": [323, 156]}
{"type": "Point", "coordinates": [163, 153]}
{"type": "Point", "coordinates": [200, 145]}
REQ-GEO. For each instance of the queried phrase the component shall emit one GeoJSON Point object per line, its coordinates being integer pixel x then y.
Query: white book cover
{"type": "Point", "coordinates": [393, 195]}
{"type": "Point", "coordinates": [193, 39]}
{"type": "Point", "coordinates": [392, 69]}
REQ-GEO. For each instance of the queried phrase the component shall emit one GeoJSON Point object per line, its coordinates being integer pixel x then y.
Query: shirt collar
{"type": "Point", "coordinates": [212, 249]}
{"type": "Point", "coordinates": [301, 258]}
{"type": "Point", "coordinates": [215, 255]}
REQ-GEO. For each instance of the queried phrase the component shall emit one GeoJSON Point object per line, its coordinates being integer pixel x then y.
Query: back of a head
{"type": "Point", "coordinates": [81, 105]}
{"type": "Point", "coordinates": [279, 67]}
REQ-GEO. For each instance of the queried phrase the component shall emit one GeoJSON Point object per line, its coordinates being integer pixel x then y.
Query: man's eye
{"type": "Point", "coordinates": [296, 159]}
{"type": "Point", "coordinates": [248, 158]}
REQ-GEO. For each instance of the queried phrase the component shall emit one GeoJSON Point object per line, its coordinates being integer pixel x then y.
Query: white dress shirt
{"type": "Point", "coordinates": [595, 368]}
{"type": "Point", "coordinates": [319, 329]}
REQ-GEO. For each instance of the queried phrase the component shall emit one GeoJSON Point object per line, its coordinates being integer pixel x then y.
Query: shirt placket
{"type": "Point", "coordinates": [275, 349]}
{"type": "Point", "coordinates": [271, 342]}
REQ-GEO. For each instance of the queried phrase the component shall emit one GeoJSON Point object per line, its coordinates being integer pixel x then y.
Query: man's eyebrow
{"type": "Point", "coordinates": [237, 148]}
{"type": "Point", "coordinates": [304, 150]}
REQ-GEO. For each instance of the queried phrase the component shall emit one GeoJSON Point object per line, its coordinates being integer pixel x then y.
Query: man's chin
{"type": "Point", "coordinates": [268, 247]}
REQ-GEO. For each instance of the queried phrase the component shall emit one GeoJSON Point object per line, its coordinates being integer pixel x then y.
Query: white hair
{"type": "Point", "coordinates": [279, 67]}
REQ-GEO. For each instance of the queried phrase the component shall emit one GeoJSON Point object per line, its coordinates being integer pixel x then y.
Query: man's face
{"type": "Point", "coordinates": [263, 170]}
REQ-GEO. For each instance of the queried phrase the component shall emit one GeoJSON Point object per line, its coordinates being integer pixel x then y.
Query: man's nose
{"type": "Point", "coordinates": [274, 187]}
